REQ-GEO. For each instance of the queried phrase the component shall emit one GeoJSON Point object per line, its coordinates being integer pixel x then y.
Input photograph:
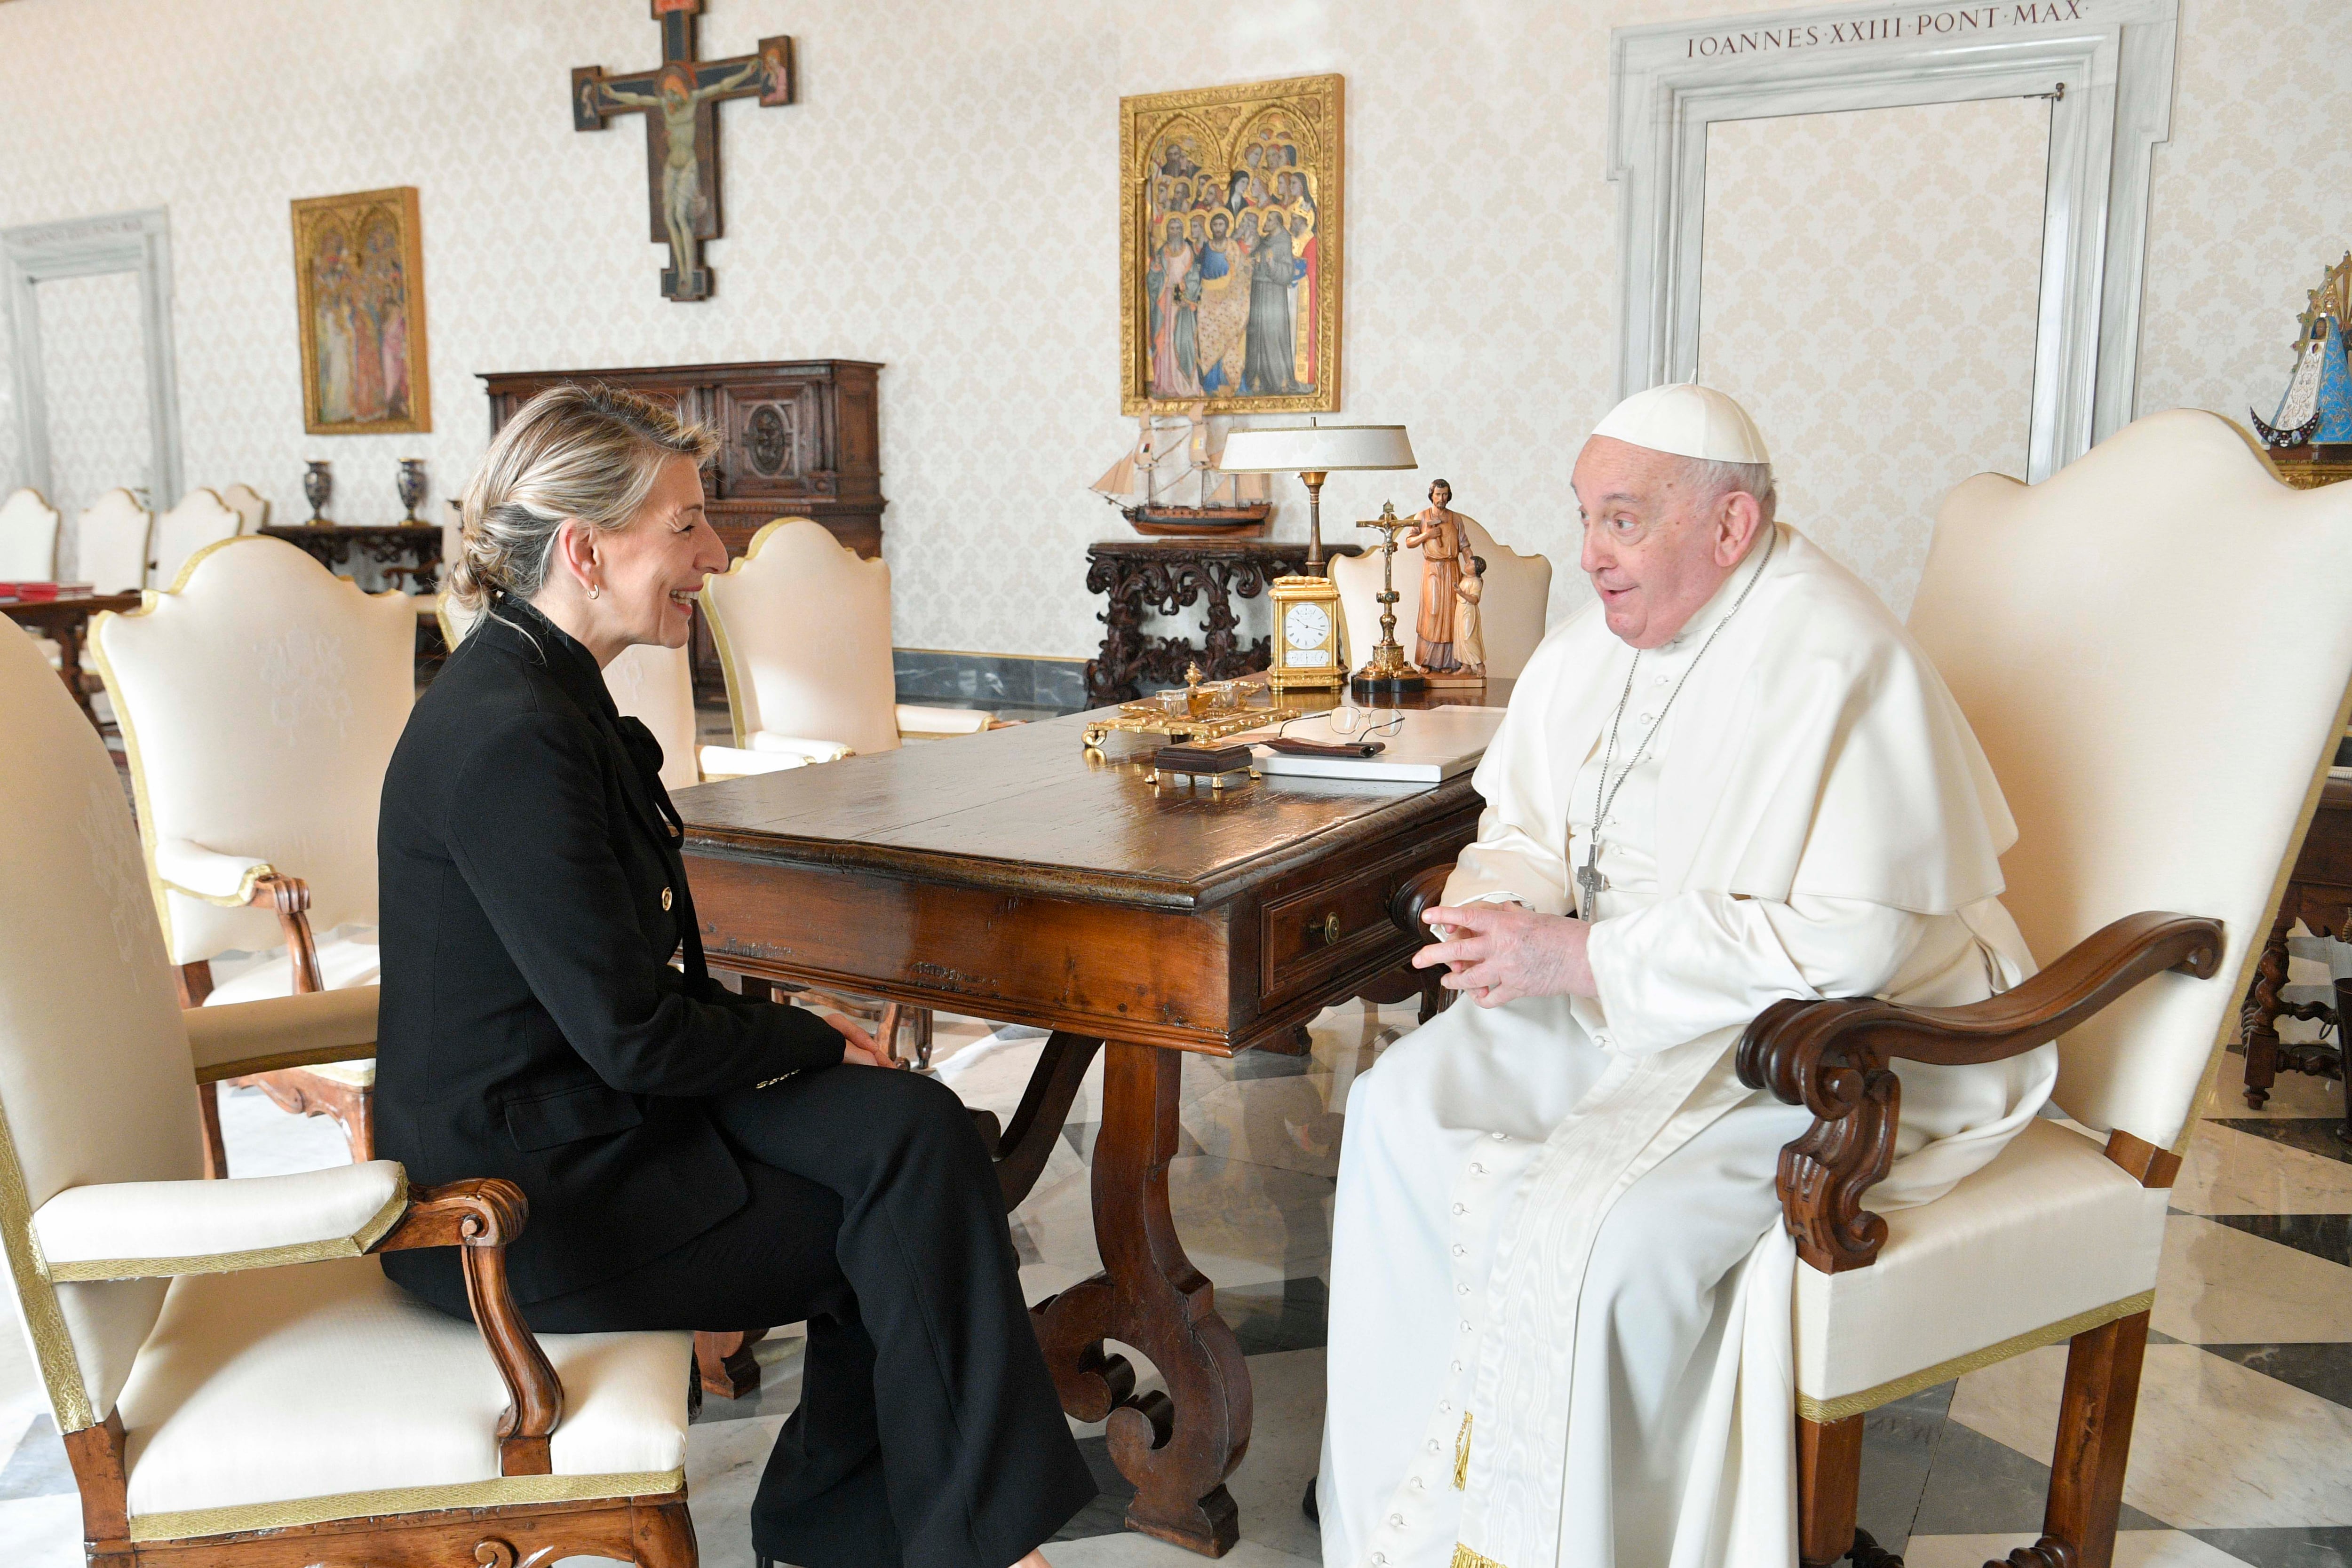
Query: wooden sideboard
{"type": "Point", "coordinates": [798, 438]}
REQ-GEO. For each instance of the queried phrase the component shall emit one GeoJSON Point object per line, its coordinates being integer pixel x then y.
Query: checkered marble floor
{"type": "Point", "coordinates": [2245, 1413]}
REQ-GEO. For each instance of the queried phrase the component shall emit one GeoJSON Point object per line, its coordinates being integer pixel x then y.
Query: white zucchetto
{"type": "Point", "coordinates": [1689, 421]}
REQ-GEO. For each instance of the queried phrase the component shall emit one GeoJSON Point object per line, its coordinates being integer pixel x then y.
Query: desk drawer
{"type": "Point", "coordinates": [1307, 934]}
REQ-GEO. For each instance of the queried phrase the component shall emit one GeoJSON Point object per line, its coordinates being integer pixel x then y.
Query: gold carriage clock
{"type": "Point", "coordinates": [1308, 635]}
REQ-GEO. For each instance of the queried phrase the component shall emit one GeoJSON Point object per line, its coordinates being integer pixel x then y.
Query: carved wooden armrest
{"type": "Point", "coordinates": [482, 1217]}
{"type": "Point", "coordinates": [1420, 891]}
{"type": "Point", "coordinates": [289, 898]}
{"type": "Point", "coordinates": [1830, 1057]}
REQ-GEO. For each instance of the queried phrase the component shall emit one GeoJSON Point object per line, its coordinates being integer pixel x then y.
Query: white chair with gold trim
{"type": "Point", "coordinates": [1512, 606]}
{"type": "Point", "coordinates": [259, 699]}
{"type": "Point", "coordinates": [201, 519]}
{"type": "Point", "coordinates": [2156, 759]}
{"type": "Point", "coordinates": [237, 1381]}
{"type": "Point", "coordinates": [655, 686]}
{"type": "Point", "coordinates": [251, 506]}
{"type": "Point", "coordinates": [111, 539]}
{"type": "Point", "coordinates": [803, 626]}
{"type": "Point", "coordinates": [29, 528]}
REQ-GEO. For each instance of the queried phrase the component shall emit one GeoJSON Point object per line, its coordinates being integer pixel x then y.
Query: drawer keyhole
{"type": "Point", "coordinates": [1327, 929]}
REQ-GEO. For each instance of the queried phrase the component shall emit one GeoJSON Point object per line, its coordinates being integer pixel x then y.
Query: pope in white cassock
{"type": "Point", "coordinates": [1559, 1331]}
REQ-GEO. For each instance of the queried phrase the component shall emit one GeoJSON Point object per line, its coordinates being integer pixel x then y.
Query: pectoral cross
{"type": "Point", "coordinates": [680, 99]}
{"type": "Point", "coordinates": [1589, 882]}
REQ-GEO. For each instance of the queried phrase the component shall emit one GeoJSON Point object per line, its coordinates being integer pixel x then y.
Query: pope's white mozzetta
{"type": "Point", "coordinates": [1560, 1327]}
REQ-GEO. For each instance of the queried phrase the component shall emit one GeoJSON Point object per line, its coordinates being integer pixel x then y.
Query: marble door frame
{"type": "Point", "coordinates": [137, 242]}
{"type": "Point", "coordinates": [1668, 82]}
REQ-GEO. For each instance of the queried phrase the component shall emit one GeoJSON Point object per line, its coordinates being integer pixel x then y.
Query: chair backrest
{"type": "Point", "coordinates": [657, 685]}
{"type": "Point", "coordinates": [251, 506]}
{"type": "Point", "coordinates": [111, 543]}
{"type": "Point", "coordinates": [456, 620]}
{"type": "Point", "coordinates": [30, 527]}
{"type": "Point", "coordinates": [200, 518]}
{"type": "Point", "coordinates": [1512, 607]}
{"type": "Point", "coordinates": [2153, 647]}
{"type": "Point", "coordinates": [259, 700]}
{"type": "Point", "coordinates": [95, 1081]}
{"type": "Point", "coordinates": [803, 632]}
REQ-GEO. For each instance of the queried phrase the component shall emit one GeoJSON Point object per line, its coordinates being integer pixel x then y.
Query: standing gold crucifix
{"type": "Point", "coordinates": [1387, 673]}
{"type": "Point", "coordinates": [680, 101]}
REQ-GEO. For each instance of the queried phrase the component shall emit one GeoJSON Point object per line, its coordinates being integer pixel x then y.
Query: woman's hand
{"type": "Point", "coordinates": [859, 1049]}
{"type": "Point", "coordinates": [1500, 952]}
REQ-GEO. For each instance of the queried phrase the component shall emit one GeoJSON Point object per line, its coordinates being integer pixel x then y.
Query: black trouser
{"type": "Point", "coordinates": [927, 1431]}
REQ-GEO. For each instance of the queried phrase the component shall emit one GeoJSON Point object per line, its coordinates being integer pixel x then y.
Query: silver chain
{"type": "Point", "coordinates": [1590, 879]}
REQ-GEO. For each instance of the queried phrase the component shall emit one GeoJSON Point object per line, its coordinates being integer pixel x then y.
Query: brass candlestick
{"type": "Point", "coordinates": [1387, 674]}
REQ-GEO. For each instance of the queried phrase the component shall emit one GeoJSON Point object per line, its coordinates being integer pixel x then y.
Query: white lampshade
{"type": "Point", "coordinates": [1312, 448]}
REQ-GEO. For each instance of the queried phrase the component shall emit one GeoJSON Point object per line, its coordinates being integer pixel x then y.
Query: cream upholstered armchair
{"type": "Point", "coordinates": [201, 519]}
{"type": "Point", "coordinates": [259, 700]}
{"type": "Point", "coordinates": [1511, 607]}
{"type": "Point", "coordinates": [655, 686]}
{"type": "Point", "coordinates": [111, 540]}
{"type": "Point", "coordinates": [29, 538]}
{"type": "Point", "coordinates": [803, 632]}
{"type": "Point", "coordinates": [237, 1381]}
{"type": "Point", "coordinates": [2157, 758]}
{"type": "Point", "coordinates": [251, 506]}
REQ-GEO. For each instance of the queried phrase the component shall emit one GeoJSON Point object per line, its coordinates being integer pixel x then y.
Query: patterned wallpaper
{"type": "Point", "coordinates": [943, 199]}
{"type": "Point", "coordinates": [1916, 321]}
{"type": "Point", "coordinates": [96, 381]}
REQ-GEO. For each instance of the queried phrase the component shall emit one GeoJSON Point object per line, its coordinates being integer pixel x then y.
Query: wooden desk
{"type": "Point", "coordinates": [1012, 876]}
{"type": "Point", "coordinates": [65, 622]}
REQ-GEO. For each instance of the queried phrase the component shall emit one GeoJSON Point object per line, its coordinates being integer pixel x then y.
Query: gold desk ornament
{"type": "Point", "coordinates": [1387, 674]}
{"type": "Point", "coordinates": [1198, 713]}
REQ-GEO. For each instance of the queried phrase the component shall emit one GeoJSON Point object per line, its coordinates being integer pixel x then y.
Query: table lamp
{"type": "Point", "coordinates": [1312, 450]}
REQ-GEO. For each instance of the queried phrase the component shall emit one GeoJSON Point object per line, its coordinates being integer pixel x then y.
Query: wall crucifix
{"type": "Point", "coordinates": [679, 98]}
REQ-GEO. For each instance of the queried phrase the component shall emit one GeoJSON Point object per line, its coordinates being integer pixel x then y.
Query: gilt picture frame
{"type": "Point", "coordinates": [358, 279]}
{"type": "Point", "coordinates": [1231, 206]}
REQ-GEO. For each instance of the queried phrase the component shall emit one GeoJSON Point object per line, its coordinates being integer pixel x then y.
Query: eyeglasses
{"type": "Point", "coordinates": [1359, 723]}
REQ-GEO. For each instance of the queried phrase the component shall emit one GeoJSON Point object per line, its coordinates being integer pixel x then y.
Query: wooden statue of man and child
{"type": "Point", "coordinates": [1448, 642]}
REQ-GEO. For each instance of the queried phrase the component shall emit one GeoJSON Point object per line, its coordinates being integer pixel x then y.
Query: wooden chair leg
{"type": "Point", "coordinates": [2258, 1023]}
{"type": "Point", "coordinates": [724, 1362]}
{"type": "Point", "coordinates": [216, 1147]}
{"type": "Point", "coordinates": [662, 1536]}
{"type": "Point", "coordinates": [1828, 1488]}
{"type": "Point", "coordinates": [2094, 1428]}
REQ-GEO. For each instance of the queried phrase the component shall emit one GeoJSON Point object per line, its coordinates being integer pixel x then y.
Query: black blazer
{"type": "Point", "coordinates": [531, 897]}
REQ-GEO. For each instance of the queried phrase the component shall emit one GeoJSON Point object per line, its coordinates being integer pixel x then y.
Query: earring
{"type": "Point", "coordinates": [595, 591]}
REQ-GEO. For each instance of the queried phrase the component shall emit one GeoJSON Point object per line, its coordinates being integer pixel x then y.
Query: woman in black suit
{"type": "Point", "coordinates": [693, 1160]}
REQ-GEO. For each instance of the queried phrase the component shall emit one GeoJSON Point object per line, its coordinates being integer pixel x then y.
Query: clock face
{"type": "Point", "coordinates": [1306, 626]}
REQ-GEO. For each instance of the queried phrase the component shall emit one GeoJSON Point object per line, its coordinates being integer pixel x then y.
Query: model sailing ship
{"type": "Point", "coordinates": [2318, 407]}
{"type": "Point", "coordinates": [1149, 483]}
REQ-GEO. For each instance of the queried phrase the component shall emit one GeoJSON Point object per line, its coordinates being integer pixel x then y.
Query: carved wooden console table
{"type": "Point", "coordinates": [2319, 893]}
{"type": "Point", "coordinates": [416, 546]}
{"type": "Point", "coordinates": [1164, 576]}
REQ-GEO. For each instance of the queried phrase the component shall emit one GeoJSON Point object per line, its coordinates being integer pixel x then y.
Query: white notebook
{"type": "Point", "coordinates": [1430, 745]}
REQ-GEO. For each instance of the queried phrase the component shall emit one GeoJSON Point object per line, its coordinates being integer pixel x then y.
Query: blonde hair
{"type": "Point", "coordinates": [586, 451]}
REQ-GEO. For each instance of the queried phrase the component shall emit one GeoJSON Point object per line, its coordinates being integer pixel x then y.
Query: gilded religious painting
{"type": "Point", "coordinates": [1229, 248]}
{"type": "Point", "coordinates": [359, 278]}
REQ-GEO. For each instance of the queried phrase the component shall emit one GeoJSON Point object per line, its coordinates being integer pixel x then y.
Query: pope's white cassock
{"type": "Point", "coordinates": [1560, 1329]}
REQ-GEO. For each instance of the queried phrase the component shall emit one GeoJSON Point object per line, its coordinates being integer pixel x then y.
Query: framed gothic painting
{"type": "Point", "coordinates": [359, 276]}
{"type": "Point", "coordinates": [1229, 248]}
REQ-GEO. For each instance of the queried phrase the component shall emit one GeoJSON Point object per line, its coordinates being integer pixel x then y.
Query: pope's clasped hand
{"type": "Point", "coordinates": [1498, 952]}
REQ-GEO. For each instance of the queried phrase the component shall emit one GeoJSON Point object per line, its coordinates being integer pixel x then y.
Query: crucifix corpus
{"type": "Point", "coordinates": [680, 99]}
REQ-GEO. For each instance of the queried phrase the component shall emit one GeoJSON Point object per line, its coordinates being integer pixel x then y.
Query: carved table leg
{"type": "Point", "coordinates": [2259, 1021]}
{"type": "Point", "coordinates": [67, 633]}
{"type": "Point", "coordinates": [1178, 1446]}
